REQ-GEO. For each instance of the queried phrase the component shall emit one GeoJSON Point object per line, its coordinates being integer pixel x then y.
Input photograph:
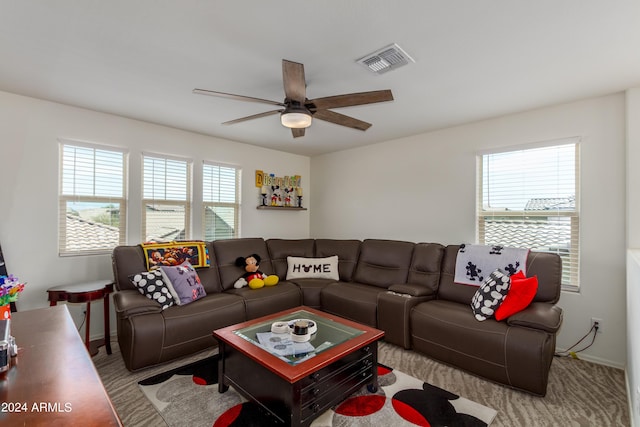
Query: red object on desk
{"type": "Point", "coordinates": [86, 292]}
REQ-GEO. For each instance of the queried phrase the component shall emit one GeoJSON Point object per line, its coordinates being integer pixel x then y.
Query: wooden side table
{"type": "Point", "coordinates": [85, 293]}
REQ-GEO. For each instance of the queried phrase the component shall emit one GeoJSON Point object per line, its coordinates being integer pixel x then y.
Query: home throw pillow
{"type": "Point", "coordinates": [152, 285]}
{"type": "Point", "coordinates": [490, 295]}
{"type": "Point", "coordinates": [521, 293]}
{"type": "Point", "coordinates": [184, 283]}
{"type": "Point", "coordinates": [316, 268]}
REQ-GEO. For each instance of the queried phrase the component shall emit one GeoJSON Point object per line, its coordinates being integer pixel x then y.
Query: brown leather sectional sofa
{"type": "Point", "coordinates": [403, 288]}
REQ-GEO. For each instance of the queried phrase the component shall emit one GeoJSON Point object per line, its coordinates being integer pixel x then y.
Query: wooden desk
{"type": "Point", "coordinates": [52, 381]}
{"type": "Point", "coordinates": [86, 292]}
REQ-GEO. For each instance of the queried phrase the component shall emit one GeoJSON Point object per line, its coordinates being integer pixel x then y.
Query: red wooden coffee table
{"type": "Point", "coordinates": [296, 389]}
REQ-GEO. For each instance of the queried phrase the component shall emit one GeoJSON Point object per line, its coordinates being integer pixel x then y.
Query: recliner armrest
{"type": "Point", "coordinates": [412, 289]}
{"type": "Point", "coordinates": [539, 315]}
{"type": "Point", "coordinates": [130, 302]}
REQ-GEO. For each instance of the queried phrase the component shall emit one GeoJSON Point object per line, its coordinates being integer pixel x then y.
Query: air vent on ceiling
{"type": "Point", "coordinates": [386, 59]}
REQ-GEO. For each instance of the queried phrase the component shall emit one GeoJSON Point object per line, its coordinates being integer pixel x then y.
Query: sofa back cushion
{"type": "Point", "coordinates": [425, 265]}
{"type": "Point", "coordinates": [383, 263]}
{"type": "Point", "coordinates": [280, 249]}
{"type": "Point", "coordinates": [227, 251]}
{"type": "Point", "coordinates": [127, 261]}
{"type": "Point", "coordinates": [209, 276]}
{"type": "Point", "coordinates": [347, 252]}
{"type": "Point", "coordinates": [130, 260]}
{"type": "Point", "coordinates": [548, 268]}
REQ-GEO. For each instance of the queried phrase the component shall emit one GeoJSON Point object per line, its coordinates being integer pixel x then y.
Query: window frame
{"type": "Point", "coordinates": [237, 205]}
{"type": "Point", "coordinates": [570, 257]}
{"type": "Point", "coordinates": [64, 198]}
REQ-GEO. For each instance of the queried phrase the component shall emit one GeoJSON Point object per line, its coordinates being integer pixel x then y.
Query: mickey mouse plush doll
{"type": "Point", "coordinates": [253, 276]}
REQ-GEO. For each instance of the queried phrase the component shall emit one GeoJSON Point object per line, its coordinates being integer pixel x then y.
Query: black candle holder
{"type": "Point", "coordinates": [299, 201]}
{"type": "Point", "coordinates": [264, 199]}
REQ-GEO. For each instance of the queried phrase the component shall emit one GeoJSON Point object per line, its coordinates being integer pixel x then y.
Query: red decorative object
{"type": "Point", "coordinates": [521, 293]}
{"type": "Point", "coordinates": [5, 312]}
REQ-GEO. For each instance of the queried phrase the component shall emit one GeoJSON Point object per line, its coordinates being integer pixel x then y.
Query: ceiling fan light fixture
{"type": "Point", "coordinates": [295, 117]}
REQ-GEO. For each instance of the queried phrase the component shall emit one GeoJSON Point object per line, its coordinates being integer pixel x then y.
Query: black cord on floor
{"type": "Point", "coordinates": [568, 352]}
{"type": "Point", "coordinates": [83, 320]}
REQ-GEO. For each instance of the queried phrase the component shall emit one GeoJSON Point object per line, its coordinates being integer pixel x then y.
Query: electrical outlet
{"type": "Point", "coordinates": [599, 321]}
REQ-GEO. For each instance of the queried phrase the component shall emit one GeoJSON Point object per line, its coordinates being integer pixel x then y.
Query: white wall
{"type": "Point", "coordinates": [29, 130]}
{"type": "Point", "coordinates": [422, 188]}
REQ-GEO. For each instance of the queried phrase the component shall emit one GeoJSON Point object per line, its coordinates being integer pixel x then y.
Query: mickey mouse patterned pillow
{"type": "Point", "coordinates": [152, 285]}
{"type": "Point", "coordinates": [316, 268]}
{"type": "Point", "coordinates": [490, 295]}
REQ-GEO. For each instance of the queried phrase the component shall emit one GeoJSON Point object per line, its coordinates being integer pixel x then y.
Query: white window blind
{"type": "Point", "coordinates": [529, 198]}
{"type": "Point", "coordinates": [220, 201]}
{"type": "Point", "coordinates": [166, 203]}
{"type": "Point", "coordinates": [92, 201]}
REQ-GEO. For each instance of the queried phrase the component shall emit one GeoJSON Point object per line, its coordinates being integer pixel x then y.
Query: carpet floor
{"type": "Point", "coordinates": [580, 393]}
{"type": "Point", "coordinates": [189, 396]}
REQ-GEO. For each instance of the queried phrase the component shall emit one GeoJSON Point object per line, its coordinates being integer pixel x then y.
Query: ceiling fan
{"type": "Point", "coordinates": [298, 111]}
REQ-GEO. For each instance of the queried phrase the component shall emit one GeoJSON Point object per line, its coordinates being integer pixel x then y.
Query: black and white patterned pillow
{"type": "Point", "coordinates": [152, 285]}
{"type": "Point", "coordinates": [490, 295]}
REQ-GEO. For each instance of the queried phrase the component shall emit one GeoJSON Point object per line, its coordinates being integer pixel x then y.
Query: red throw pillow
{"type": "Point", "coordinates": [519, 297]}
{"type": "Point", "coordinates": [518, 275]}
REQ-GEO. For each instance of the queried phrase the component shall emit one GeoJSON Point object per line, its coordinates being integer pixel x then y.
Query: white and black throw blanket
{"type": "Point", "coordinates": [476, 262]}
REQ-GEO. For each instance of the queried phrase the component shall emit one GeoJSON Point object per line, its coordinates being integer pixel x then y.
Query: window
{"type": "Point", "coordinates": [529, 198]}
{"type": "Point", "coordinates": [92, 204]}
{"type": "Point", "coordinates": [220, 197]}
{"type": "Point", "coordinates": [166, 198]}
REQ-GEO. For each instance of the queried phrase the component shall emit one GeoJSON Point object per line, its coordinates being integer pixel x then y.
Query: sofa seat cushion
{"type": "Point", "coordinates": [148, 338]}
{"type": "Point", "coordinates": [311, 289]}
{"type": "Point", "coordinates": [453, 328]}
{"type": "Point", "coordinates": [197, 320]}
{"type": "Point", "coordinates": [269, 299]}
{"type": "Point", "coordinates": [355, 301]}
{"type": "Point", "coordinates": [516, 356]}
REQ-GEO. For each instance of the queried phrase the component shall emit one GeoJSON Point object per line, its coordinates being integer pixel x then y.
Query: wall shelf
{"type": "Point", "coordinates": [282, 208]}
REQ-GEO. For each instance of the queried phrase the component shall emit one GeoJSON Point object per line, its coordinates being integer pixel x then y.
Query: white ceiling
{"type": "Point", "coordinates": [474, 59]}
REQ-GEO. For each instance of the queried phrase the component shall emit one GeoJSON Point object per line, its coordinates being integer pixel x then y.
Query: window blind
{"type": "Point", "coordinates": [166, 200]}
{"type": "Point", "coordinates": [529, 198]}
{"type": "Point", "coordinates": [220, 201]}
{"type": "Point", "coordinates": [92, 202]}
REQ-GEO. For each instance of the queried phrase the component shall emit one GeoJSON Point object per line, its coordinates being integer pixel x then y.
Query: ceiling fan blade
{"type": "Point", "coordinates": [341, 119]}
{"type": "Point", "coordinates": [297, 132]}
{"type": "Point", "coordinates": [236, 97]}
{"type": "Point", "coordinates": [254, 116]}
{"type": "Point", "coordinates": [295, 86]}
{"type": "Point", "coordinates": [351, 99]}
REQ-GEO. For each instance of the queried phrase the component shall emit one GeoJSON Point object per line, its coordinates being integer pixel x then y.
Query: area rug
{"type": "Point", "coordinates": [189, 396]}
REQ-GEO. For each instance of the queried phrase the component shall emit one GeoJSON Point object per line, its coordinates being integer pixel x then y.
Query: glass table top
{"type": "Point", "coordinates": [297, 336]}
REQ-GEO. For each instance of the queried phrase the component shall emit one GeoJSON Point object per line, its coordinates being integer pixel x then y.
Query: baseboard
{"type": "Point", "coordinates": [593, 359]}
{"type": "Point", "coordinates": [629, 400]}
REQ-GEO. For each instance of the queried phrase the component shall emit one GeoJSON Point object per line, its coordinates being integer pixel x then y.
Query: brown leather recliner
{"type": "Point", "coordinates": [517, 352]}
{"type": "Point", "coordinates": [149, 335]}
